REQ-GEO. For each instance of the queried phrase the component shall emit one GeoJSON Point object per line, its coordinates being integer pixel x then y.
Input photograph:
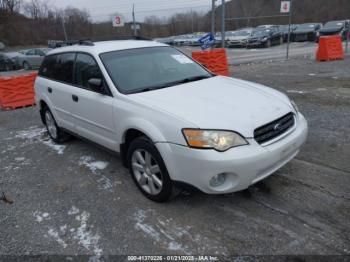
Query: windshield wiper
{"type": "Point", "coordinates": [182, 81]}
{"type": "Point", "coordinates": [178, 82]}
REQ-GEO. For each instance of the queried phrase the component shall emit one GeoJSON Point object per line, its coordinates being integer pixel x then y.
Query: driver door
{"type": "Point", "coordinates": [92, 111]}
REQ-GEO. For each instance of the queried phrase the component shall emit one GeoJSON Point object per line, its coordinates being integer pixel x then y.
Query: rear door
{"type": "Point", "coordinates": [92, 111]}
{"type": "Point", "coordinates": [56, 86]}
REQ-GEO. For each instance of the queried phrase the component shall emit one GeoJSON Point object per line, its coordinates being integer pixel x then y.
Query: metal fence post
{"type": "Point", "coordinates": [290, 22]}
{"type": "Point", "coordinates": [213, 20]}
{"type": "Point", "coordinates": [347, 38]}
{"type": "Point", "coordinates": [223, 24]}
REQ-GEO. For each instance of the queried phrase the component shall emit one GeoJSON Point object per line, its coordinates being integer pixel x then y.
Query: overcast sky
{"type": "Point", "coordinates": [103, 9]}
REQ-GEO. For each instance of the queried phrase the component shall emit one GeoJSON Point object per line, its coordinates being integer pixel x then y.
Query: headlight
{"type": "Point", "coordinates": [294, 106]}
{"type": "Point", "coordinates": [219, 140]}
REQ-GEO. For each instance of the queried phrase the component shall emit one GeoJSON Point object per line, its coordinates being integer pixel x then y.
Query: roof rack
{"type": "Point", "coordinates": [90, 42]}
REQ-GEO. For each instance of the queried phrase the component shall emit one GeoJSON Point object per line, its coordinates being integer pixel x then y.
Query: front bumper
{"type": "Point", "coordinates": [243, 166]}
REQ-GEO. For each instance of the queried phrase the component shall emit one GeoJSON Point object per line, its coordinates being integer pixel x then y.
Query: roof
{"type": "Point", "coordinates": [107, 46]}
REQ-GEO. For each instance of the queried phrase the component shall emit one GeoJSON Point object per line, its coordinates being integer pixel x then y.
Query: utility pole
{"type": "Point", "coordinates": [212, 21]}
{"type": "Point", "coordinates": [213, 17]}
{"type": "Point", "coordinates": [64, 29]}
{"type": "Point", "coordinates": [133, 19]}
{"type": "Point", "coordinates": [347, 37]}
{"type": "Point", "coordinates": [223, 24]}
{"type": "Point", "coordinates": [290, 22]}
{"type": "Point", "coordinates": [192, 22]}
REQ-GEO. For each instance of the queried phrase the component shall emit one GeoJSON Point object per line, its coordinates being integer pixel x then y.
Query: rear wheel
{"type": "Point", "coordinates": [26, 66]}
{"type": "Point", "coordinates": [281, 40]}
{"type": "Point", "coordinates": [56, 134]}
{"type": "Point", "coordinates": [148, 170]}
{"type": "Point", "coordinates": [268, 43]}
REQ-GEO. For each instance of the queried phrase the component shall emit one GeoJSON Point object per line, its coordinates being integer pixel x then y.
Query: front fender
{"type": "Point", "coordinates": [144, 126]}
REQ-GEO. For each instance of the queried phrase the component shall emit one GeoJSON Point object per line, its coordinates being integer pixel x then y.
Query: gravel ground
{"type": "Point", "coordinates": [77, 199]}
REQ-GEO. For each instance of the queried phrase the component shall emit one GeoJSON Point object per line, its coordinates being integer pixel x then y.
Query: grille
{"type": "Point", "coordinates": [274, 129]}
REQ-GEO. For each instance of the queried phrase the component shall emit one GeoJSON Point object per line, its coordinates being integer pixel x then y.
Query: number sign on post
{"type": "Point", "coordinates": [285, 7]}
{"type": "Point", "coordinates": [118, 20]}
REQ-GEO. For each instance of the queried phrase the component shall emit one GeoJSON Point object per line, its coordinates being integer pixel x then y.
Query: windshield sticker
{"type": "Point", "coordinates": [182, 59]}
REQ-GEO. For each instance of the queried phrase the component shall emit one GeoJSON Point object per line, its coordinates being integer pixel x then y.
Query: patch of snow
{"type": "Point", "coordinates": [296, 92]}
{"type": "Point", "coordinates": [89, 162]}
{"type": "Point", "coordinates": [19, 159]}
{"type": "Point", "coordinates": [39, 216]}
{"type": "Point", "coordinates": [174, 246]}
{"type": "Point", "coordinates": [86, 238]}
{"type": "Point", "coordinates": [58, 148]}
{"type": "Point", "coordinates": [73, 211]}
{"type": "Point", "coordinates": [54, 234]}
{"type": "Point", "coordinates": [39, 135]}
{"type": "Point", "coordinates": [33, 133]}
{"type": "Point", "coordinates": [311, 74]}
{"type": "Point", "coordinates": [63, 229]}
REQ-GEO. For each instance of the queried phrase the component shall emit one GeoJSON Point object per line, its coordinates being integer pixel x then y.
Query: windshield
{"type": "Point", "coordinates": [306, 26]}
{"type": "Point", "coordinates": [260, 32]}
{"type": "Point", "coordinates": [334, 24]}
{"type": "Point", "coordinates": [242, 33]}
{"type": "Point", "coordinates": [146, 69]}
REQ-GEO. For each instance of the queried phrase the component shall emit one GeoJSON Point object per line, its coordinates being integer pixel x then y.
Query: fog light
{"type": "Point", "coordinates": [217, 180]}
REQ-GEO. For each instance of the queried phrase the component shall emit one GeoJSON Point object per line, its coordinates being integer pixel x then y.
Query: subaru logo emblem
{"type": "Point", "coordinates": [277, 127]}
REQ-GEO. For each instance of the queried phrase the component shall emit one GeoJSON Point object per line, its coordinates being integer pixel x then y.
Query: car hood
{"type": "Point", "coordinates": [304, 31]}
{"type": "Point", "coordinates": [238, 37]}
{"type": "Point", "coordinates": [219, 103]}
{"type": "Point", "coordinates": [331, 30]}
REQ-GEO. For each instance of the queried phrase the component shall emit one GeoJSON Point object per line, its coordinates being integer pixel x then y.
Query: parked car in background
{"type": "Point", "coordinates": [284, 31]}
{"type": "Point", "coordinates": [166, 40]}
{"type": "Point", "coordinates": [239, 38]}
{"type": "Point", "coordinates": [13, 56]}
{"type": "Point", "coordinates": [32, 58]}
{"type": "Point", "coordinates": [335, 28]}
{"type": "Point", "coordinates": [6, 62]}
{"type": "Point", "coordinates": [268, 26]}
{"type": "Point", "coordinates": [2, 46]}
{"type": "Point", "coordinates": [265, 38]}
{"type": "Point", "coordinates": [307, 32]}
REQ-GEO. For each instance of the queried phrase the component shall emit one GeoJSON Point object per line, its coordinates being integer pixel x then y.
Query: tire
{"type": "Point", "coordinates": [54, 131]}
{"type": "Point", "coordinates": [26, 66]}
{"type": "Point", "coordinates": [155, 184]}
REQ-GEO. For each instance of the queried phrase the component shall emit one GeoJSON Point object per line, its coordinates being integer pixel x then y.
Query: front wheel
{"type": "Point", "coordinates": [148, 170]}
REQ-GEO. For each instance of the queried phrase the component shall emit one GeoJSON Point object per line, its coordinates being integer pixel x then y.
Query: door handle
{"type": "Point", "coordinates": [49, 89]}
{"type": "Point", "coordinates": [75, 98]}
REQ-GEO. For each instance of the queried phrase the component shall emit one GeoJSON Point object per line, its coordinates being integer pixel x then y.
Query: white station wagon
{"type": "Point", "coordinates": [170, 119]}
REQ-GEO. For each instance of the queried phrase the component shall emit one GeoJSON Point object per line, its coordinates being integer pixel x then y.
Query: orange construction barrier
{"type": "Point", "coordinates": [215, 60]}
{"type": "Point", "coordinates": [17, 91]}
{"type": "Point", "coordinates": [330, 48]}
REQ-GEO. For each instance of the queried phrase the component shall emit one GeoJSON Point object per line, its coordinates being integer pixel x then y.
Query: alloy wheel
{"type": "Point", "coordinates": [147, 171]}
{"type": "Point", "coordinates": [51, 125]}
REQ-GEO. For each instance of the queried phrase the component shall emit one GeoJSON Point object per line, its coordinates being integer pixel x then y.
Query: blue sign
{"type": "Point", "coordinates": [207, 41]}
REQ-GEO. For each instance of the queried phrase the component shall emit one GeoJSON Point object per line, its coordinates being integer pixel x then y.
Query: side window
{"type": "Point", "coordinates": [47, 68]}
{"type": "Point", "coordinates": [85, 69]}
{"type": "Point", "coordinates": [39, 52]}
{"type": "Point", "coordinates": [63, 70]}
{"type": "Point", "coordinates": [31, 52]}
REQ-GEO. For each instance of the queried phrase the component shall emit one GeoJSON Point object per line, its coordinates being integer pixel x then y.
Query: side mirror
{"type": "Point", "coordinates": [96, 84]}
